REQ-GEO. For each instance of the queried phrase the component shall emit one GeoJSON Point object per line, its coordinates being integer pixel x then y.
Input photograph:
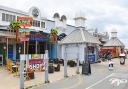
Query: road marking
{"type": "Point", "coordinates": [99, 81]}
{"type": "Point", "coordinates": [80, 80]}
{"type": "Point", "coordinates": [117, 82]}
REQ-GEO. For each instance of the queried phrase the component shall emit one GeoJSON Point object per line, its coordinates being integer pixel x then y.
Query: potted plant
{"type": "Point", "coordinates": [53, 35]}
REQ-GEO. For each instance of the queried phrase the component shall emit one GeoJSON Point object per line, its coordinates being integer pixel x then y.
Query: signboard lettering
{"type": "Point", "coordinates": [24, 39]}
{"type": "Point", "coordinates": [25, 21]}
{"type": "Point", "coordinates": [38, 36]}
{"type": "Point", "coordinates": [36, 64]}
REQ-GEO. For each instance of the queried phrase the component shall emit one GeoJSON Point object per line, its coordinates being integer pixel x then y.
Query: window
{"type": "Point", "coordinates": [8, 17]}
{"type": "Point", "coordinates": [38, 24]}
{"type": "Point", "coordinates": [42, 24]}
{"type": "Point", "coordinates": [14, 17]}
{"type": "Point", "coordinates": [35, 23]}
{"type": "Point", "coordinates": [3, 16]}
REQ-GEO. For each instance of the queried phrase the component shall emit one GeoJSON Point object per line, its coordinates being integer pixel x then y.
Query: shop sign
{"type": "Point", "coordinates": [24, 39]}
{"type": "Point", "coordinates": [36, 56]}
{"type": "Point", "coordinates": [38, 36]}
{"type": "Point", "coordinates": [25, 21]}
{"type": "Point", "coordinates": [36, 64]}
{"type": "Point", "coordinates": [25, 30]}
{"type": "Point", "coordinates": [91, 57]}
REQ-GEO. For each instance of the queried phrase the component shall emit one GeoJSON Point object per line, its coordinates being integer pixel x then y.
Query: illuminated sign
{"type": "Point", "coordinates": [38, 36]}
{"type": "Point", "coordinates": [25, 21]}
{"type": "Point", "coordinates": [24, 39]}
{"type": "Point", "coordinates": [36, 64]}
{"type": "Point", "coordinates": [25, 30]}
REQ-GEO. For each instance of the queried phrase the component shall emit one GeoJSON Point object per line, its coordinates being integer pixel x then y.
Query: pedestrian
{"type": "Point", "coordinates": [110, 64]}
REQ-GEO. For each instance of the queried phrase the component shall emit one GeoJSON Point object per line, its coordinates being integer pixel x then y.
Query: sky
{"type": "Point", "coordinates": [104, 15]}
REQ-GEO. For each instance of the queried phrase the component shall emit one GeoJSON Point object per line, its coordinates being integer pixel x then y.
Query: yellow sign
{"type": "Point", "coordinates": [36, 56]}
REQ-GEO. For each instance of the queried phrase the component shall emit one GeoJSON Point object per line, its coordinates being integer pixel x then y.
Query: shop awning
{"type": "Point", "coordinates": [80, 36]}
{"type": "Point", "coordinates": [7, 34]}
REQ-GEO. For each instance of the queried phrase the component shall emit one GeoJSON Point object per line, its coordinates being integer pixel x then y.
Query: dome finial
{"type": "Point", "coordinates": [56, 15]}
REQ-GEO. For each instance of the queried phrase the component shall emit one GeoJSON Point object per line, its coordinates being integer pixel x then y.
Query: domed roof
{"type": "Point", "coordinates": [63, 17]}
{"type": "Point", "coordinates": [56, 15]}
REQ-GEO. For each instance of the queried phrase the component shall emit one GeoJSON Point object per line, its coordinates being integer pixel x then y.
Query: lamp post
{"type": "Point", "coordinates": [61, 23]}
{"type": "Point", "coordinates": [46, 64]}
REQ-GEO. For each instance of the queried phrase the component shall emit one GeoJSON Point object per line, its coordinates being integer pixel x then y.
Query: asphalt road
{"type": "Point", "coordinates": [101, 78]}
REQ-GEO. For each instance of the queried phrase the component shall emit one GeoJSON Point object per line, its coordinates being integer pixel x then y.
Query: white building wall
{"type": "Point", "coordinates": [59, 51]}
{"type": "Point", "coordinates": [81, 52]}
{"type": "Point", "coordinates": [73, 51]}
{"type": "Point", "coordinates": [4, 23]}
{"type": "Point", "coordinates": [63, 52]}
{"type": "Point", "coordinates": [49, 25]}
{"type": "Point", "coordinates": [69, 29]}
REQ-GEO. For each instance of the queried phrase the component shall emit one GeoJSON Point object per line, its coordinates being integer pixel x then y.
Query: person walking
{"type": "Point", "coordinates": [110, 62]}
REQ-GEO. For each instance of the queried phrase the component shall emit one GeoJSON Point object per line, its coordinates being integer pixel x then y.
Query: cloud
{"type": "Point", "coordinates": [102, 14]}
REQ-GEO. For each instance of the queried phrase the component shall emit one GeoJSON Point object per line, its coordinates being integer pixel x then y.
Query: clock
{"type": "Point", "coordinates": [35, 12]}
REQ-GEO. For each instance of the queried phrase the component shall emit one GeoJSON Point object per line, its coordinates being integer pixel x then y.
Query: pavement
{"type": "Point", "coordinates": [12, 81]}
{"type": "Point", "coordinates": [100, 78]}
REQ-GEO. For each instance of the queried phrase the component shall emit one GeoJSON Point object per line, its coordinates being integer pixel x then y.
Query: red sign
{"type": "Point", "coordinates": [24, 39]}
{"type": "Point", "coordinates": [36, 61]}
{"type": "Point", "coordinates": [37, 64]}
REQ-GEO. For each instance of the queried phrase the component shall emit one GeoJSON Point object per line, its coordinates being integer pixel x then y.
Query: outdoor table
{"type": "Point", "coordinates": [29, 74]}
{"type": "Point", "coordinates": [14, 68]}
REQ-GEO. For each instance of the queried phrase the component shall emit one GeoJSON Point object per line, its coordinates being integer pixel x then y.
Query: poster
{"type": "Point", "coordinates": [36, 56]}
{"type": "Point", "coordinates": [37, 64]}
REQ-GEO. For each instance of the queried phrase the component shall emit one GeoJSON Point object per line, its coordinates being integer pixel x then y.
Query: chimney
{"type": "Point", "coordinates": [80, 19]}
{"type": "Point", "coordinates": [57, 19]}
{"type": "Point", "coordinates": [64, 21]}
{"type": "Point", "coordinates": [113, 33]}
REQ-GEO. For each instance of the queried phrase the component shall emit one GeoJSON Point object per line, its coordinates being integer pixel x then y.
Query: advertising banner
{"type": "Point", "coordinates": [36, 56]}
{"type": "Point", "coordinates": [37, 64]}
{"type": "Point", "coordinates": [24, 39]}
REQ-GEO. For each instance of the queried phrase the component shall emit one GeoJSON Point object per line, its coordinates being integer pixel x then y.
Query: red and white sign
{"type": "Point", "coordinates": [37, 64]}
{"type": "Point", "coordinates": [24, 39]}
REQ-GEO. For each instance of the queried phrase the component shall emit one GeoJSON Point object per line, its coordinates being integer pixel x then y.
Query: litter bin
{"type": "Point", "coordinates": [122, 58]}
{"type": "Point", "coordinates": [86, 68]}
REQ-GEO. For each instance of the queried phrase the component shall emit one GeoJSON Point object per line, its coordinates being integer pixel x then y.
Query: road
{"type": "Point", "coordinates": [101, 78]}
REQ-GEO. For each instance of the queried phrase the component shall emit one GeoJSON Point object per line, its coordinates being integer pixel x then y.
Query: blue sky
{"type": "Point", "coordinates": [104, 15]}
